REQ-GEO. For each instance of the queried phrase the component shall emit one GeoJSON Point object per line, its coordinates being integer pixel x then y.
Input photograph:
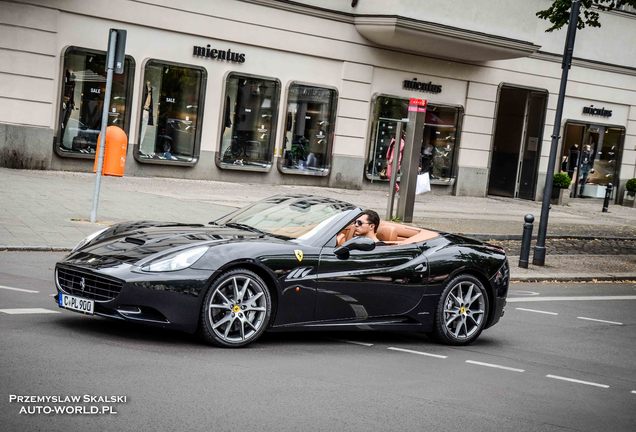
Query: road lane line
{"type": "Point", "coordinates": [355, 342]}
{"type": "Point", "coordinates": [496, 366]}
{"type": "Point", "coordinates": [579, 298]}
{"type": "Point", "coordinates": [577, 381]}
{"type": "Point", "coordinates": [634, 391]}
{"type": "Point", "coordinates": [28, 311]}
{"type": "Point", "coordinates": [417, 352]}
{"type": "Point", "coordinates": [19, 289]}
{"type": "Point", "coordinates": [600, 320]}
{"type": "Point", "coordinates": [523, 292]}
{"type": "Point", "coordinates": [537, 311]}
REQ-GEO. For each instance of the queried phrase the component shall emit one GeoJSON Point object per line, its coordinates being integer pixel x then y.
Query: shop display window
{"type": "Point", "coordinates": [589, 156]}
{"type": "Point", "coordinates": [249, 122]}
{"type": "Point", "coordinates": [439, 140]}
{"type": "Point", "coordinates": [82, 102]}
{"type": "Point", "coordinates": [171, 113]}
{"type": "Point", "coordinates": [309, 130]}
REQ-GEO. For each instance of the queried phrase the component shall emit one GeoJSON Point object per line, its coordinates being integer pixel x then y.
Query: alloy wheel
{"type": "Point", "coordinates": [237, 309]}
{"type": "Point", "coordinates": [464, 310]}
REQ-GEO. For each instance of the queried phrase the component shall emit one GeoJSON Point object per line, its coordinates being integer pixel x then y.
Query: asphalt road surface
{"type": "Point", "coordinates": [561, 359]}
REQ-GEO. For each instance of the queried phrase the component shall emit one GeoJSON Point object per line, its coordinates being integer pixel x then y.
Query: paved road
{"type": "Point", "coordinates": [561, 359]}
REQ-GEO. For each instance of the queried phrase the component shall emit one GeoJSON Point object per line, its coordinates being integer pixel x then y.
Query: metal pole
{"type": "Point", "coordinates": [524, 254]}
{"type": "Point", "coordinates": [100, 151]}
{"type": "Point", "coordinates": [608, 194]}
{"type": "Point", "coordinates": [394, 170]}
{"type": "Point", "coordinates": [410, 162]}
{"type": "Point", "coordinates": [539, 250]}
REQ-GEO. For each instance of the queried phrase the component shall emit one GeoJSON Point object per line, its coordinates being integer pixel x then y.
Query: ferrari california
{"type": "Point", "coordinates": [287, 262]}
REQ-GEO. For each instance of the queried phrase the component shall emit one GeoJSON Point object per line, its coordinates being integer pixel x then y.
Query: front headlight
{"type": "Point", "coordinates": [176, 261]}
{"type": "Point", "coordinates": [88, 239]}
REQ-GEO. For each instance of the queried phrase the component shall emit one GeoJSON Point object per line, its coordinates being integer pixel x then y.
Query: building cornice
{"type": "Point", "coordinates": [440, 40]}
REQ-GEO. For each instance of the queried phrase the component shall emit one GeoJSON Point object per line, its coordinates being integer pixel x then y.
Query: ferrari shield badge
{"type": "Point", "coordinates": [299, 254]}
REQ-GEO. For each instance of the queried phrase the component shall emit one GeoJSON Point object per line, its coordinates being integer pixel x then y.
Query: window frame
{"type": "Point", "coordinates": [276, 101]}
{"type": "Point", "coordinates": [60, 112]}
{"type": "Point", "coordinates": [278, 151]}
{"type": "Point", "coordinates": [196, 151]}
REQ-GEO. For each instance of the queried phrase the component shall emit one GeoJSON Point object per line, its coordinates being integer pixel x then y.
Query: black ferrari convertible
{"type": "Point", "coordinates": [286, 263]}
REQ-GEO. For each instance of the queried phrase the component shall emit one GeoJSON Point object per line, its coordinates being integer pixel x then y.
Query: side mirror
{"type": "Point", "coordinates": [356, 243]}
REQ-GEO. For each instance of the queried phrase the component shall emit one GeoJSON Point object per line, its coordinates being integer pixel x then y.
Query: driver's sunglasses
{"type": "Point", "coordinates": [360, 223]}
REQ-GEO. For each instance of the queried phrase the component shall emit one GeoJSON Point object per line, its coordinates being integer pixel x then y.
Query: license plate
{"type": "Point", "coordinates": [76, 303]}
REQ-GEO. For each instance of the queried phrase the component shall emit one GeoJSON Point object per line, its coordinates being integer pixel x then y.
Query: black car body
{"type": "Point", "coordinates": [280, 273]}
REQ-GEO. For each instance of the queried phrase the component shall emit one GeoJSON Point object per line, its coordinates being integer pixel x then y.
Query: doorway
{"type": "Point", "coordinates": [517, 142]}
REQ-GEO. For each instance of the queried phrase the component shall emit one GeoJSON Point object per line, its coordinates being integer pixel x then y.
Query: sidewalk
{"type": "Point", "coordinates": [49, 210]}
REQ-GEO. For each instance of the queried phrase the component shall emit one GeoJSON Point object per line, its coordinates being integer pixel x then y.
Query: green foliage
{"type": "Point", "coordinates": [396, 219]}
{"type": "Point", "coordinates": [631, 186]}
{"type": "Point", "coordinates": [559, 13]}
{"type": "Point", "coordinates": [561, 181]}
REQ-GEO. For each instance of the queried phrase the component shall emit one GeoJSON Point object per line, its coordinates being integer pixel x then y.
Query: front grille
{"type": "Point", "coordinates": [88, 285]}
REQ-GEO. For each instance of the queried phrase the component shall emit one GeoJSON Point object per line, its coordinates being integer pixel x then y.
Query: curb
{"type": "Point", "coordinates": [557, 278]}
{"type": "Point", "coordinates": [34, 249]}
{"type": "Point", "coordinates": [486, 237]}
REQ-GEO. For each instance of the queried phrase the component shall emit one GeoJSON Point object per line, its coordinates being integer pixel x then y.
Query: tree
{"type": "Point", "coordinates": [559, 13]}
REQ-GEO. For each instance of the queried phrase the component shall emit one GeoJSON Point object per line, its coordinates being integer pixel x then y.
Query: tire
{"type": "Point", "coordinates": [462, 311]}
{"type": "Point", "coordinates": [236, 309]}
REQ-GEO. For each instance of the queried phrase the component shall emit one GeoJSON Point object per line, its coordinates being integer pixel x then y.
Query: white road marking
{"type": "Point", "coordinates": [577, 381]}
{"type": "Point", "coordinates": [18, 289]}
{"type": "Point", "coordinates": [600, 320]}
{"type": "Point", "coordinates": [634, 391]}
{"type": "Point", "coordinates": [537, 311]}
{"type": "Point", "coordinates": [28, 311]}
{"type": "Point", "coordinates": [417, 352]}
{"type": "Point", "coordinates": [495, 366]}
{"type": "Point", "coordinates": [355, 342]}
{"type": "Point", "coordinates": [579, 298]}
{"type": "Point", "coordinates": [522, 292]}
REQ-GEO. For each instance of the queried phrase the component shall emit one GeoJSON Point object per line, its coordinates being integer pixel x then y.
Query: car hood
{"type": "Point", "coordinates": [132, 242]}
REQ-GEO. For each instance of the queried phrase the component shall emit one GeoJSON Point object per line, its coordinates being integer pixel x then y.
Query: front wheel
{"type": "Point", "coordinates": [462, 311]}
{"type": "Point", "coordinates": [236, 309]}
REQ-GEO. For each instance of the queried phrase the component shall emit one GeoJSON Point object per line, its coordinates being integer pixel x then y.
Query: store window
{"type": "Point", "coordinates": [82, 102]}
{"type": "Point", "coordinates": [439, 140]}
{"type": "Point", "coordinates": [309, 129]}
{"type": "Point", "coordinates": [249, 122]}
{"type": "Point", "coordinates": [590, 156]}
{"type": "Point", "coordinates": [172, 108]}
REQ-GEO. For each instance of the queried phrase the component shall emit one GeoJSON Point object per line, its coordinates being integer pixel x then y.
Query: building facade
{"type": "Point", "coordinates": [310, 92]}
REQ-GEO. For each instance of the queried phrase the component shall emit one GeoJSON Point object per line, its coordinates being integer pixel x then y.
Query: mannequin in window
{"type": "Point", "coordinates": [147, 113]}
{"type": "Point", "coordinates": [587, 159]}
{"type": "Point", "coordinates": [246, 113]}
{"type": "Point", "coordinates": [390, 154]}
{"type": "Point", "coordinates": [573, 159]}
{"type": "Point", "coordinates": [68, 101]}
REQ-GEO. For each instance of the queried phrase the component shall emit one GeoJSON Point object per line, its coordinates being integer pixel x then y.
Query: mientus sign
{"type": "Point", "coordinates": [429, 87]}
{"type": "Point", "coordinates": [597, 111]}
{"type": "Point", "coordinates": [213, 53]}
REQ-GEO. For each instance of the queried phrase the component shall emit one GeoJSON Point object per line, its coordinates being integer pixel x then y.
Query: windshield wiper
{"type": "Point", "coordinates": [245, 227]}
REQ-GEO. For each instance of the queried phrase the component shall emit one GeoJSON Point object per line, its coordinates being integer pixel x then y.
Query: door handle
{"type": "Point", "coordinates": [420, 268]}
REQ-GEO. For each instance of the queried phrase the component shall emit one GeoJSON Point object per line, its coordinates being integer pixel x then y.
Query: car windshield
{"type": "Point", "coordinates": [288, 217]}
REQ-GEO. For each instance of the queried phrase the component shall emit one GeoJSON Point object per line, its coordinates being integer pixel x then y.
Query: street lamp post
{"type": "Point", "coordinates": [539, 250]}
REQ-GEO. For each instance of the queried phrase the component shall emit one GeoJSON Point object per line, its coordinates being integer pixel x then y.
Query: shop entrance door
{"type": "Point", "coordinates": [517, 142]}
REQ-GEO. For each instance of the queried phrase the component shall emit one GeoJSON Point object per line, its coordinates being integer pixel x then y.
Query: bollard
{"type": "Point", "coordinates": [525, 241]}
{"type": "Point", "coordinates": [608, 194]}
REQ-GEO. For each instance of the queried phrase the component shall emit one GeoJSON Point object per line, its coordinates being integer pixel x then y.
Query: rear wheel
{"type": "Point", "coordinates": [236, 309]}
{"type": "Point", "coordinates": [462, 311]}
